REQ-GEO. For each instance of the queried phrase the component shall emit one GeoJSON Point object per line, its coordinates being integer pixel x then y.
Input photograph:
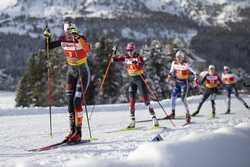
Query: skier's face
{"type": "Point", "coordinates": [68, 35]}
{"type": "Point", "coordinates": [211, 71]}
{"type": "Point", "coordinates": [179, 59]}
{"type": "Point", "coordinates": [130, 52]}
{"type": "Point", "coordinates": [226, 70]}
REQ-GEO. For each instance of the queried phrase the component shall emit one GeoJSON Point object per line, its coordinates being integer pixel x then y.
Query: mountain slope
{"type": "Point", "coordinates": [22, 21]}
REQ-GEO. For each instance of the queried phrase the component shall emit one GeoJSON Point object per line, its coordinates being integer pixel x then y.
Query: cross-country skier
{"type": "Point", "coordinates": [212, 81]}
{"type": "Point", "coordinates": [135, 63]}
{"type": "Point", "coordinates": [178, 76]}
{"type": "Point", "coordinates": [76, 49]}
{"type": "Point", "coordinates": [230, 80]}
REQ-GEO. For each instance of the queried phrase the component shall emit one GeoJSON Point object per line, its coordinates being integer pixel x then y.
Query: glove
{"type": "Point", "coordinates": [196, 82]}
{"type": "Point", "coordinates": [114, 49]}
{"type": "Point", "coordinates": [76, 36]}
{"type": "Point", "coordinates": [134, 62]}
{"type": "Point", "coordinates": [46, 33]}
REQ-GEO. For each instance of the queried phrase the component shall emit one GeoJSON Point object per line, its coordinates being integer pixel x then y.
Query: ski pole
{"type": "Point", "coordinates": [49, 81]}
{"type": "Point", "coordinates": [157, 99]}
{"type": "Point", "coordinates": [85, 104]}
{"type": "Point", "coordinates": [107, 70]}
{"type": "Point", "coordinates": [104, 77]}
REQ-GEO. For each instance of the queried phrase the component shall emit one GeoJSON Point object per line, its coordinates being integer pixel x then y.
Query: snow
{"type": "Point", "coordinates": [6, 4]}
{"type": "Point", "coordinates": [223, 141]}
{"type": "Point", "coordinates": [7, 100]}
{"type": "Point", "coordinates": [198, 11]}
{"type": "Point", "coordinates": [186, 36]}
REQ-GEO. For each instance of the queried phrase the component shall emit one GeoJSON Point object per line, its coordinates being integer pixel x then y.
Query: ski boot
{"type": "Point", "coordinates": [245, 104]}
{"type": "Point", "coordinates": [76, 137]}
{"type": "Point", "coordinates": [131, 124]}
{"type": "Point", "coordinates": [171, 116]}
{"type": "Point", "coordinates": [188, 118]}
{"type": "Point", "coordinates": [155, 122]}
{"type": "Point", "coordinates": [66, 138]}
{"type": "Point", "coordinates": [228, 111]}
{"type": "Point", "coordinates": [195, 113]}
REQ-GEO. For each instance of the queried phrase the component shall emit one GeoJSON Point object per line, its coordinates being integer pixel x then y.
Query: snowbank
{"type": "Point", "coordinates": [224, 147]}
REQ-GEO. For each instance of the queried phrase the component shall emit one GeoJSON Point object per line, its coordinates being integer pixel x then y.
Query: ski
{"type": "Point", "coordinates": [160, 119]}
{"type": "Point", "coordinates": [49, 147]}
{"type": "Point", "coordinates": [125, 130]}
{"type": "Point", "coordinates": [57, 145]}
{"type": "Point", "coordinates": [135, 129]}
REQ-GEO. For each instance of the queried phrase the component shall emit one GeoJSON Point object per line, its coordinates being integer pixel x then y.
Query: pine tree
{"type": "Point", "coordinates": [157, 65]}
{"type": "Point", "coordinates": [114, 79]}
{"type": "Point", "coordinates": [32, 88]}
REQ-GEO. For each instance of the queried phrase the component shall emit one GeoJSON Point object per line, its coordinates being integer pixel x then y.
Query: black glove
{"type": "Point", "coordinates": [134, 62]}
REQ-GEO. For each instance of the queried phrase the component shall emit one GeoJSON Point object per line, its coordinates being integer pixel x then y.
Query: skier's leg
{"type": "Point", "coordinates": [240, 98]}
{"type": "Point", "coordinates": [132, 95]}
{"type": "Point", "coordinates": [174, 94]}
{"type": "Point", "coordinates": [81, 88]}
{"type": "Point", "coordinates": [184, 93]}
{"type": "Point", "coordinates": [228, 93]}
{"type": "Point", "coordinates": [213, 97]}
{"type": "Point", "coordinates": [144, 93]}
{"type": "Point", "coordinates": [204, 98]}
{"type": "Point", "coordinates": [70, 92]}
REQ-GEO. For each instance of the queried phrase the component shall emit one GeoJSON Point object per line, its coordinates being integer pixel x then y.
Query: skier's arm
{"type": "Point", "coordinates": [120, 59]}
{"type": "Point", "coordinates": [192, 71]}
{"type": "Point", "coordinates": [220, 81]}
{"type": "Point", "coordinates": [54, 44]}
{"type": "Point", "coordinates": [83, 42]}
{"type": "Point", "coordinates": [171, 72]}
{"type": "Point", "coordinates": [140, 61]}
{"type": "Point", "coordinates": [203, 79]}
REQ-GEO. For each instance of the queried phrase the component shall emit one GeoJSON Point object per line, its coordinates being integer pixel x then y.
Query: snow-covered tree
{"type": "Point", "coordinates": [157, 65]}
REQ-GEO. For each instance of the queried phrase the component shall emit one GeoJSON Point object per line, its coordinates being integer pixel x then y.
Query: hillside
{"type": "Point", "coordinates": [222, 23]}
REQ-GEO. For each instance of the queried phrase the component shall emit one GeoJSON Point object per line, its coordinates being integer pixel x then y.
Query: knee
{"type": "Point", "coordinates": [131, 103]}
{"type": "Point", "coordinates": [78, 101]}
{"type": "Point", "coordinates": [145, 99]}
{"type": "Point", "coordinates": [69, 90]}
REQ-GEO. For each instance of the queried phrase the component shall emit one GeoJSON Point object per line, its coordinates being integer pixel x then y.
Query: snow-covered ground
{"type": "Point", "coordinates": [7, 100]}
{"type": "Point", "coordinates": [222, 142]}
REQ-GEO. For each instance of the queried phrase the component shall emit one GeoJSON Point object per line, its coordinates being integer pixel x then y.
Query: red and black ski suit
{"type": "Point", "coordinates": [136, 81]}
{"type": "Point", "coordinates": [78, 75]}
